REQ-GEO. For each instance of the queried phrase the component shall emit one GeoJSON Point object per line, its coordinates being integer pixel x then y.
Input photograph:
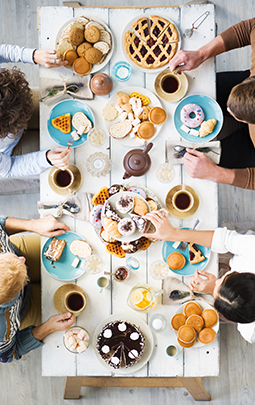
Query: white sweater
{"type": "Point", "coordinates": [243, 261]}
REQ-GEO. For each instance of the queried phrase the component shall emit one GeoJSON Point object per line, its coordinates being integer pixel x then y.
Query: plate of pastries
{"type": "Point", "coordinates": [133, 116]}
{"type": "Point", "coordinates": [86, 43]}
{"type": "Point", "coordinates": [195, 323]}
{"type": "Point", "coordinates": [150, 42]}
{"type": "Point", "coordinates": [117, 217]}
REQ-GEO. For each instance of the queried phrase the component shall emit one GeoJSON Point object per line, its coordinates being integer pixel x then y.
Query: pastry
{"type": "Point", "coordinates": [75, 36]}
{"type": "Point", "coordinates": [196, 321]}
{"type": "Point", "coordinates": [192, 307]}
{"type": "Point", "coordinates": [102, 46]}
{"type": "Point", "coordinates": [177, 321]}
{"type": "Point", "coordinates": [144, 243]}
{"type": "Point", "coordinates": [125, 203]}
{"type": "Point", "coordinates": [156, 50]}
{"type": "Point", "coordinates": [81, 120]}
{"type": "Point", "coordinates": [157, 115]}
{"type": "Point", "coordinates": [186, 345]}
{"type": "Point", "coordinates": [81, 248]}
{"type": "Point", "coordinates": [105, 37]}
{"type": "Point", "coordinates": [138, 190]}
{"type": "Point", "coordinates": [186, 335]}
{"type": "Point", "coordinates": [109, 212]}
{"type": "Point", "coordinates": [106, 237]}
{"type": "Point", "coordinates": [131, 247]}
{"type": "Point", "coordinates": [140, 206]}
{"type": "Point", "coordinates": [141, 223]}
{"type": "Point", "coordinates": [206, 335]}
{"type": "Point", "coordinates": [101, 196]}
{"type": "Point", "coordinates": [76, 339]}
{"type": "Point", "coordinates": [109, 112]}
{"type": "Point", "coordinates": [55, 249]}
{"type": "Point", "coordinates": [210, 317]}
{"type": "Point", "coordinates": [70, 55]}
{"type": "Point", "coordinates": [63, 123]}
{"type": "Point", "coordinates": [152, 204]}
{"type": "Point", "coordinates": [146, 130]}
{"type": "Point", "coordinates": [122, 98]}
{"type": "Point", "coordinates": [93, 55]}
{"type": "Point", "coordinates": [63, 47]}
{"type": "Point", "coordinates": [144, 99]}
{"type": "Point", "coordinates": [95, 216]}
{"type": "Point", "coordinates": [81, 66]}
{"type": "Point", "coordinates": [115, 249]}
{"type": "Point", "coordinates": [207, 127]}
{"type": "Point", "coordinates": [176, 261]}
{"type": "Point", "coordinates": [82, 48]}
{"type": "Point", "coordinates": [144, 116]}
{"type": "Point", "coordinates": [195, 255]}
{"type": "Point", "coordinates": [116, 188]}
{"type": "Point", "coordinates": [111, 227]}
{"type": "Point", "coordinates": [192, 115]}
{"type": "Point", "coordinates": [120, 344]}
{"type": "Point", "coordinates": [126, 226]}
{"type": "Point", "coordinates": [92, 34]}
{"type": "Point", "coordinates": [120, 129]}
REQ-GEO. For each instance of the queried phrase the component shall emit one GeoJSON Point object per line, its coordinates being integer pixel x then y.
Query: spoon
{"type": "Point", "coordinates": [71, 207]}
{"type": "Point", "coordinates": [109, 274]}
{"type": "Point", "coordinates": [189, 31]}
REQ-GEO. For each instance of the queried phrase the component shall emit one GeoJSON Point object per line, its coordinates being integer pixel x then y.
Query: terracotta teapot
{"type": "Point", "coordinates": [101, 84]}
{"type": "Point", "coordinates": [137, 162]}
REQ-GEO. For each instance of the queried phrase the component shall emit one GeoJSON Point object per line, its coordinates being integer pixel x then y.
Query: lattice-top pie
{"type": "Point", "coordinates": [156, 50]}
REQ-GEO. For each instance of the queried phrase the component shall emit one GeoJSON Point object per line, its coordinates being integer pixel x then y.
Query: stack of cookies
{"type": "Point", "coordinates": [84, 43]}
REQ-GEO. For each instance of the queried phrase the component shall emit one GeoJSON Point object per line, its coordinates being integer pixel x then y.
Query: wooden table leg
{"type": "Point", "coordinates": [195, 387]}
{"type": "Point", "coordinates": [73, 387]}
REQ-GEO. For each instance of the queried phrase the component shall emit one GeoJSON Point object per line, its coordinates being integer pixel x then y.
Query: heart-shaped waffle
{"type": "Point", "coordinates": [144, 243]}
{"type": "Point", "coordinates": [101, 196]}
{"type": "Point", "coordinates": [63, 123]}
{"type": "Point", "coordinates": [156, 50]}
{"type": "Point", "coordinates": [115, 249]}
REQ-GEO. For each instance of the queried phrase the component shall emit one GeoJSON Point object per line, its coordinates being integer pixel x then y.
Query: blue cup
{"type": "Point", "coordinates": [122, 71]}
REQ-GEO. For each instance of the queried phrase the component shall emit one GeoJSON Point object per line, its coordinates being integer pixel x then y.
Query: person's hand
{"type": "Point", "coordinates": [48, 58]}
{"type": "Point", "coordinates": [59, 157]}
{"type": "Point", "coordinates": [199, 284]}
{"type": "Point", "coordinates": [187, 59]}
{"type": "Point", "coordinates": [60, 322]}
{"type": "Point", "coordinates": [164, 229]}
{"type": "Point", "coordinates": [199, 166]}
{"type": "Point", "coordinates": [49, 226]}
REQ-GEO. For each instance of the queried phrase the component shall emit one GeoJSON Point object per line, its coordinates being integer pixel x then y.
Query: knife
{"type": "Point", "coordinates": [149, 25]}
{"type": "Point", "coordinates": [139, 36]}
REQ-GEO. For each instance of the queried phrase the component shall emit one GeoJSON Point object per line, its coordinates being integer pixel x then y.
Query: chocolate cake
{"type": "Point", "coordinates": [120, 344]}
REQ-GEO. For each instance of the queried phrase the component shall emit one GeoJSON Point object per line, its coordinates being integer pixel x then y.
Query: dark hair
{"type": "Point", "coordinates": [241, 100]}
{"type": "Point", "coordinates": [16, 104]}
{"type": "Point", "coordinates": [236, 298]}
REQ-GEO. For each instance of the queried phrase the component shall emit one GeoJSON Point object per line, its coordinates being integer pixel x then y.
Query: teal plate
{"type": "Point", "coordinates": [63, 270]}
{"type": "Point", "coordinates": [188, 269]}
{"type": "Point", "coordinates": [211, 110]}
{"type": "Point", "coordinates": [64, 107]}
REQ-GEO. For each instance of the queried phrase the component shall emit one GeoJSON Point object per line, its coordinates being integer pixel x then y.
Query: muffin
{"type": "Point", "coordinates": [206, 335]}
{"type": "Point", "coordinates": [157, 115]}
{"type": "Point", "coordinates": [176, 261]}
{"type": "Point", "coordinates": [81, 66]}
{"type": "Point", "coordinates": [92, 34]}
{"type": "Point", "coordinates": [93, 55]}
{"type": "Point", "coordinates": [146, 130]}
{"type": "Point", "coordinates": [82, 48]}
{"type": "Point", "coordinates": [75, 36]}
{"type": "Point", "coordinates": [177, 321]}
{"type": "Point", "coordinates": [70, 55]}
{"type": "Point", "coordinates": [196, 321]}
{"type": "Point", "coordinates": [210, 317]}
{"type": "Point", "coordinates": [192, 308]}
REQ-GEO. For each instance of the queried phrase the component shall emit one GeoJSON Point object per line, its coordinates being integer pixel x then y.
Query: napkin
{"type": "Point", "coordinates": [47, 84]}
{"type": "Point", "coordinates": [215, 146]}
{"type": "Point", "coordinates": [82, 200]}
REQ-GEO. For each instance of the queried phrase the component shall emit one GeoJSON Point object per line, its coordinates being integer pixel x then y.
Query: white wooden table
{"type": "Point", "coordinates": [85, 369]}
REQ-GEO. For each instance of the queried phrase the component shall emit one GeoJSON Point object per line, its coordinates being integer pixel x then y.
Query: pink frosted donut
{"type": "Point", "coordinates": [192, 115]}
{"type": "Point", "coordinates": [138, 190]}
{"type": "Point", "coordinates": [95, 216]}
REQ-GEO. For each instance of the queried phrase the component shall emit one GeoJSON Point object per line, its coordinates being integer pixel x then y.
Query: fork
{"type": "Point", "coordinates": [183, 245]}
{"type": "Point", "coordinates": [70, 141]}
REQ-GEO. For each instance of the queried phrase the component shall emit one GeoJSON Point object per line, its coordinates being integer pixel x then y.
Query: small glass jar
{"type": "Point", "coordinates": [76, 339]}
{"type": "Point", "coordinates": [132, 263]}
{"type": "Point", "coordinates": [122, 71]}
{"type": "Point", "coordinates": [93, 264]}
{"type": "Point", "coordinates": [157, 323]}
{"type": "Point", "coordinates": [98, 164]}
{"type": "Point", "coordinates": [97, 137]}
{"type": "Point", "coordinates": [165, 173]}
{"type": "Point", "coordinates": [121, 274]}
{"type": "Point", "coordinates": [159, 270]}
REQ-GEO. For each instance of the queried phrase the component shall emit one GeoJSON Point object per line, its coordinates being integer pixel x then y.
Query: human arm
{"type": "Point", "coordinates": [203, 285]}
{"type": "Point", "coordinates": [53, 324]}
{"type": "Point", "coordinates": [48, 58]}
{"type": "Point", "coordinates": [47, 226]}
{"type": "Point", "coordinates": [166, 231]}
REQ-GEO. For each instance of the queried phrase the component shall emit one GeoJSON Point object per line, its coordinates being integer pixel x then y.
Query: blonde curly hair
{"type": "Point", "coordinates": [13, 276]}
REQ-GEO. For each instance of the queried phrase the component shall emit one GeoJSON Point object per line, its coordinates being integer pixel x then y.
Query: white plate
{"type": "Point", "coordinates": [96, 67]}
{"type": "Point", "coordinates": [127, 141]}
{"type": "Point", "coordinates": [148, 344]}
{"type": "Point", "coordinates": [128, 27]}
{"type": "Point", "coordinates": [112, 200]}
{"type": "Point", "coordinates": [204, 305]}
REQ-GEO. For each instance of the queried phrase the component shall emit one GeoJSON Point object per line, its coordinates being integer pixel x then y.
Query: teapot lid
{"type": "Point", "coordinates": [137, 161]}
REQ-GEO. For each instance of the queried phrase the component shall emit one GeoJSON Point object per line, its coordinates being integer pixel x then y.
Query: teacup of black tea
{"type": "Point", "coordinates": [170, 83]}
{"type": "Point", "coordinates": [183, 200]}
{"type": "Point", "coordinates": [63, 178]}
{"type": "Point", "coordinates": [75, 302]}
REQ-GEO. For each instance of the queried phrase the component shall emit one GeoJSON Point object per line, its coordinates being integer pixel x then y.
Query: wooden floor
{"type": "Point", "coordinates": [21, 382]}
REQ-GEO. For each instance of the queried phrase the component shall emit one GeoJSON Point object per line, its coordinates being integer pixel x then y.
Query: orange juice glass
{"type": "Point", "coordinates": [142, 298]}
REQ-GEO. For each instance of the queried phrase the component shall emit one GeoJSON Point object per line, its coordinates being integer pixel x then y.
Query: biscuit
{"type": "Point", "coordinates": [70, 55]}
{"type": "Point", "coordinates": [75, 36]}
{"type": "Point", "coordinates": [80, 248]}
{"type": "Point", "coordinates": [152, 204]}
{"type": "Point", "coordinates": [145, 114]}
{"type": "Point", "coordinates": [81, 66]}
{"type": "Point", "coordinates": [177, 321]}
{"type": "Point", "coordinates": [144, 99]}
{"type": "Point", "coordinates": [102, 46]}
{"type": "Point", "coordinates": [176, 261]}
{"type": "Point", "coordinates": [105, 36]}
{"type": "Point", "coordinates": [115, 249]}
{"type": "Point", "coordinates": [101, 196]}
{"type": "Point", "coordinates": [140, 207]}
{"type": "Point", "coordinates": [82, 48]}
{"type": "Point", "coordinates": [93, 55]}
{"type": "Point", "coordinates": [120, 129]}
{"type": "Point", "coordinates": [144, 243]}
{"type": "Point", "coordinates": [77, 24]}
{"type": "Point", "coordinates": [92, 34]}
{"type": "Point", "coordinates": [157, 115]}
{"type": "Point", "coordinates": [109, 112]}
{"type": "Point", "coordinates": [80, 119]}
{"type": "Point", "coordinates": [146, 130]}
{"type": "Point", "coordinates": [63, 47]}
{"type": "Point", "coordinates": [192, 307]}
{"type": "Point", "coordinates": [206, 335]}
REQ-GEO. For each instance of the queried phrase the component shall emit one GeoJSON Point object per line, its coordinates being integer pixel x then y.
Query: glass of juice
{"type": "Point", "coordinates": [142, 298]}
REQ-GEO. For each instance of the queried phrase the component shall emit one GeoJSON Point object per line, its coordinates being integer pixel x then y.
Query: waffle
{"type": "Point", "coordinates": [144, 243]}
{"type": "Point", "coordinates": [155, 51]}
{"type": "Point", "coordinates": [115, 249]}
{"type": "Point", "coordinates": [144, 99]}
{"type": "Point", "coordinates": [63, 123]}
{"type": "Point", "coordinates": [101, 196]}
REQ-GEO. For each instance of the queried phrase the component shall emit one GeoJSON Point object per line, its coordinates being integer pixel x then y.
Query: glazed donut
{"type": "Point", "coordinates": [95, 216]}
{"type": "Point", "coordinates": [188, 111]}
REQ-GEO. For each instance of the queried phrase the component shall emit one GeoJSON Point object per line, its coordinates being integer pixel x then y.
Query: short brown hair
{"type": "Point", "coordinates": [13, 276]}
{"type": "Point", "coordinates": [16, 104]}
{"type": "Point", "coordinates": [241, 100]}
